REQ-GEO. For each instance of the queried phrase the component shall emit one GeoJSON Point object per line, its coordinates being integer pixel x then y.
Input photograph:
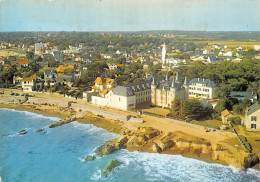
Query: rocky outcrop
{"type": "Point", "coordinates": [156, 148]}
{"type": "Point", "coordinates": [111, 146]}
{"type": "Point", "coordinates": [250, 161]}
{"type": "Point", "coordinates": [22, 132]}
{"type": "Point", "coordinates": [39, 130]}
{"type": "Point", "coordinates": [61, 122]}
{"type": "Point", "coordinates": [89, 158]}
{"type": "Point", "coordinates": [111, 166]}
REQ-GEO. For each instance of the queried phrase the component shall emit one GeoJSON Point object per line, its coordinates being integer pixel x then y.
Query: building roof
{"type": "Point", "coordinates": [225, 113]}
{"type": "Point", "coordinates": [123, 91]}
{"type": "Point", "coordinates": [207, 82]}
{"type": "Point", "coordinates": [23, 61]}
{"type": "Point", "coordinates": [251, 109]}
{"type": "Point", "coordinates": [102, 80]}
{"type": "Point", "coordinates": [247, 95]}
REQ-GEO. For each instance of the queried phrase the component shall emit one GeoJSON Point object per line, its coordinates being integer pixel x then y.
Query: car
{"type": "Point", "coordinates": [12, 93]}
{"type": "Point", "coordinates": [1, 92]}
{"type": "Point", "coordinates": [16, 94]}
{"type": "Point", "coordinates": [24, 94]}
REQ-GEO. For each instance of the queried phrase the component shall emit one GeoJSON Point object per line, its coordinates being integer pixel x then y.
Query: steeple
{"type": "Point", "coordinates": [177, 77]}
{"type": "Point", "coordinates": [185, 81]}
{"type": "Point", "coordinates": [173, 84]}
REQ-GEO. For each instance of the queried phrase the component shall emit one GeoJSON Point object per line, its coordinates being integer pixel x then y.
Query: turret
{"type": "Point", "coordinates": [173, 85]}
{"type": "Point", "coordinates": [153, 92]}
{"type": "Point", "coordinates": [166, 78]}
{"type": "Point", "coordinates": [177, 77]}
{"type": "Point", "coordinates": [186, 87]}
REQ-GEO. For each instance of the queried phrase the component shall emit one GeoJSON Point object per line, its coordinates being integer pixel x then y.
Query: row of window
{"type": "Point", "coordinates": [143, 93]}
{"type": "Point", "coordinates": [199, 89]}
{"type": "Point", "coordinates": [143, 99]}
{"type": "Point", "coordinates": [199, 95]}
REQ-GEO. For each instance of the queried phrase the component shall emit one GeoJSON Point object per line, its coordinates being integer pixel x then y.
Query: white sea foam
{"type": "Point", "coordinates": [96, 176]}
{"type": "Point", "coordinates": [92, 129]}
{"type": "Point", "coordinates": [34, 115]}
{"type": "Point", "coordinates": [177, 168]}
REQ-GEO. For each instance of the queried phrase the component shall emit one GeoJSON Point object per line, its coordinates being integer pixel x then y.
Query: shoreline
{"type": "Point", "coordinates": [198, 147]}
{"type": "Point", "coordinates": [113, 129]}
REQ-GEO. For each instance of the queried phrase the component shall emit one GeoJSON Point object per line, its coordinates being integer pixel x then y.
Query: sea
{"type": "Point", "coordinates": [55, 155]}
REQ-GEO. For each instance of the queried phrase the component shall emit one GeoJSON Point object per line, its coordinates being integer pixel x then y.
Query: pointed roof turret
{"type": "Point", "coordinates": [177, 77]}
{"type": "Point", "coordinates": [173, 84]}
{"type": "Point", "coordinates": [185, 81]}
{"type": "Point", "coordinates": [166, 78]}
{"type": "Point", "coordinates": [153, 82]}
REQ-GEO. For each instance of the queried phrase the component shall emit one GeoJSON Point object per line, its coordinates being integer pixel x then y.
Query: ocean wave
{"type": "Point", "coordinates": [178, 168]}
{"type": "Point", "coordinates": [92, 129]}
{"type": "Point", "coordinates": [32, 114]}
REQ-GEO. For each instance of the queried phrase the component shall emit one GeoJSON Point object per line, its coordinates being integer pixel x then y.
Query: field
{"type": "Point", "coordinates": [231, 43]}
{"type": "Point", "coordinates": [12, 52]}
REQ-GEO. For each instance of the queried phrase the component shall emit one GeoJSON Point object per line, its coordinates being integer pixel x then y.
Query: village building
{"type": "Point", "coordinates": [225, 115]}
{"type": "Point", "coordinates": [252, 117]}
{"type": "Point", "coordinates": [32, 83]}
{"type": "Point", "coordinates": [202, 88]}
{"type": "Point", "coordinates": [50, 77]}
{"type": "Point", "coordinates": [163, 93]}
{"type": "Point", "coordinates": [102, 86]}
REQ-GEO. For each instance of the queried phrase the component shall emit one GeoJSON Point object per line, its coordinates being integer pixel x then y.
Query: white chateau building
{"type": "Point", "coordinates": [163, 93]}
{"type": "Point", "coordinates": [202, 88]}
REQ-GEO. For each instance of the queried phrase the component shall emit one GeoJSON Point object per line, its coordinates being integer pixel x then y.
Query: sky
{"type": "Point", "coordinates": [129, 15]}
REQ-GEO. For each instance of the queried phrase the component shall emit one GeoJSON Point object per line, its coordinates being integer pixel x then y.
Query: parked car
{"type": "Point", "coordinates": [1, 92]}
{"type": "Point", "coordinates": [12, 93]}
{"type": "Point", "coordinates": [16, 94]}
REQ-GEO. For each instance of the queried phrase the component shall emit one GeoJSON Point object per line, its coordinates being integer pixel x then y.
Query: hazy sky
{"type": "Point", "coordinates": [129, 15]}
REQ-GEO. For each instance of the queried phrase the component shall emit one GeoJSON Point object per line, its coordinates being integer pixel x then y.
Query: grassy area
{"type": "Point", "coordinates": [157, 111]}
{"type": "Point", "coordinates": [12, 52]}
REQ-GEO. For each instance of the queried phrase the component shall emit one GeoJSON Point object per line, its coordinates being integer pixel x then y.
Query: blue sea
{"type": "Point", "coordinates": [55, 156]}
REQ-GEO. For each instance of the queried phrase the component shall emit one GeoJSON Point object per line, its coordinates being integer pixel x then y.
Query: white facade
{"type": "Point", "coordinates": [202, 88]}
{"type": "Point", "coordinates": [115, 101]}
{"type": "Point", "coordinates": [163, 54]}
{"type": "Point", "coordinates": [39, 47]}
{"type": "Point", "coordinates": [257, 47]}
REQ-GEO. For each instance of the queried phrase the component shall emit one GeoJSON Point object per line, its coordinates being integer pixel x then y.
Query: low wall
{"type": "Point", "coordinates": [48, 101]}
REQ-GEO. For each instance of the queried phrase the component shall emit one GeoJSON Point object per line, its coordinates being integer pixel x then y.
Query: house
{"type": "Point", "coordinates": [252, 117]}
{"type": "Point", "coordinates": [2, 60]}
{"type": "Point", "coordinates": [241, 96]}
{"type": "Point", "coordinates": [225, 115]}
{"type": "Point", "coordinates": [32, 83]}
{"type": "Point", "coordinates": [23, 63]}
{"type": "Point", "coordinates": [102, 86]}
{"type": "Point", "coordinates": [50, 77]}
{"type": "Point", "coordinates": [40, 47]}
{"type": "Point", "coordinates": [65, 79]}
{"type": "Point", "coordinates": [257, 47]}
{"type": "Point", "coordinates": [164, 92]}
{"type": "Point", "coordinates": [202, 88]}
{"type": "Point", "coordinates": [112, 66]}
{"type": "Point", "coordinates": [17, 81]}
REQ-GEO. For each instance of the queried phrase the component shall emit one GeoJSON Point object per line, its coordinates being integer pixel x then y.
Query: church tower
{"type": "Point", "coordinates": [163, 55]}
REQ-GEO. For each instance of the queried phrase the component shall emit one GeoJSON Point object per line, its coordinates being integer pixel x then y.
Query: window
{"type": "Point", "coordinates": [199, 89]}
{"type": "Point", "coordinates": [253, 118]}
{"type": "Point", "coordinates": [253, 126]}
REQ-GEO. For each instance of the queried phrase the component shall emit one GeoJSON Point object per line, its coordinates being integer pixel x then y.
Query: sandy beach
{"type": "Point", "coordinates": [189, 140]}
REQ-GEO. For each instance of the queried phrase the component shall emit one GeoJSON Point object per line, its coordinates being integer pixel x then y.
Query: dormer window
{"type": "Point", "coordinates": [253, 118]}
